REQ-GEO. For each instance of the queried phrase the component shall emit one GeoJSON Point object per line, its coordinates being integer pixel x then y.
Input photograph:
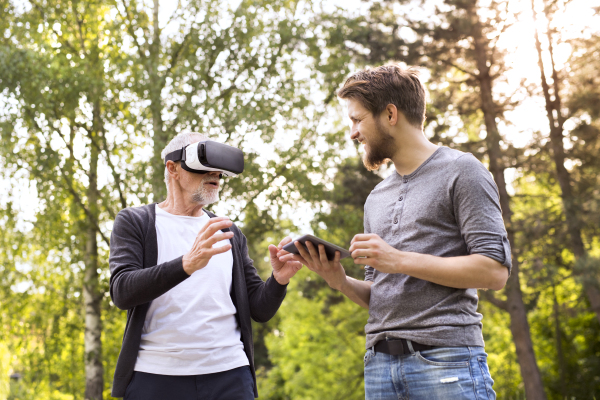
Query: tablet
{"type": "Point", "coordinates": [330, 248]}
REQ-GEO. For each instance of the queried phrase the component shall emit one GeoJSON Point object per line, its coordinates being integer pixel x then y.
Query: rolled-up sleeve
{"type": "Point", "coordinates": [368, 270]}
{"type": "Point", "coordinates": [477, 209]}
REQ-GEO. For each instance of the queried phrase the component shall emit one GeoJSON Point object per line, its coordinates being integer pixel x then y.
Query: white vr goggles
{"type": "Point", "coordinates": [207, 156]}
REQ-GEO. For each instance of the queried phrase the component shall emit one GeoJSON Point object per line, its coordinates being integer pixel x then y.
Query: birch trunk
{"type": "Point", "coordinates": [92, 296]}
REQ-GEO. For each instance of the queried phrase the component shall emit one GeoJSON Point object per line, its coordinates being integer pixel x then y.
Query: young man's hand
{"type": "Point", "coordinates": [316, 261]}
{"type": "Point", "coordinates": [283, 269]}
{"type": "Point", "coordinates": [369, 249]}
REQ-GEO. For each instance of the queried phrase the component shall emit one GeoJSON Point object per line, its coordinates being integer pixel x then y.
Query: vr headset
{"type": "Point", "coordinates": [207, 156]}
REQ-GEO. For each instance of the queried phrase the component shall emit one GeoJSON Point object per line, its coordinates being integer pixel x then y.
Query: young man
{"type": "Point", "coordinates": [190, 290]}
{"type": "Point", "coordinates": [433, 234]}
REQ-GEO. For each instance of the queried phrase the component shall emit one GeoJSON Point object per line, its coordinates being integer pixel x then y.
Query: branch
{"type": "Point", "coordinates": [175, 55]}
{"type": "Point", "coordinates": [106, 206]}
{"type": "Point", "coordinates": [72, 190]}
{"type": "Point", "coordinates": [79, 22]}
{"type": "Point", "coordinates": [114, 173]}
{"type": "Point", "coordinates": [291, 155]}
{"type": "Point", "coordinates": [128, 18]}
{"type": "Point", "coordinates": [62, 41]}
{"type": "Point", "coordinates": [491, 298]}
{"type": "Point", "coordinates": [451, 64]}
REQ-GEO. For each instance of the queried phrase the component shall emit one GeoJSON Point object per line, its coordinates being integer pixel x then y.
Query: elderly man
{"type": "Point", "coordinates": [190, 289]}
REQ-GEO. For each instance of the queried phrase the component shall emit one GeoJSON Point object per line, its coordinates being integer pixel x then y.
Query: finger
{"type": "Point", "coordinates": [302, 250]}
{"type": "Point", "coordinates": [297, 266]}
{"type": "Point", "coordinates": [211, 229]}
{"type": "Point", "coordinates": [216, 238]}
{"type": "Point", "coordinates": [323, 255]}
{"type": "Point", "coordinates": [281, 253]}
{"type": "Point", "coordinates": [361, 237]}
{"type": "Point", "coordinates": [213, 226]}
{"type": "Point", "coordinates": [361, 253]}
{"type": "Point", "coordinates": [337, 257]}
{"type": "Point", "coordinates": [365, 261]}
{"type": "Point", "coordinates": [273, 252]}
{"type": "Point", "coordinates": [311, 249]}
{"type": "Point", "coordinates": [285, 241]}
{"type": "Point", "coordinates": [218, 250]}
{"type": "Point", "coordinates": [293, 257]}
{"type": "Point", "coordinates": [360, 245]}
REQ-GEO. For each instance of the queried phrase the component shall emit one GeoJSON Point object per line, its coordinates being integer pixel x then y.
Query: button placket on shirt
{"type": "Point", "coordinates": [399, 206]}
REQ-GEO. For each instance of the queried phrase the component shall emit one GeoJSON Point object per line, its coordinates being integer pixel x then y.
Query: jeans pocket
{"type": "Point", "coordinates": [445, 357]}
{"type": "Point", "coordinates": [368, 355]}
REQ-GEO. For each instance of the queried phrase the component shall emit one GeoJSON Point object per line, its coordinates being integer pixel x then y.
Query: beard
{"type": "Point", "coordinates": [204, 195]}
{"type": "Point", "coordinates": [381, 148]}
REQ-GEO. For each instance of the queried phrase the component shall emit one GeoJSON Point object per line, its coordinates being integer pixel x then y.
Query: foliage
{"type": "Point", "coordinates": [107, 81]}
{"type": "Point", "coordinates": [316, 347]}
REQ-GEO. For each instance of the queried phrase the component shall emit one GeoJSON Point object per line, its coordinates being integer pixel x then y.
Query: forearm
{"type": "Point", "coordinates": [357, 291]}
{"type": "Point", "coordinates": [130, 287]}
{"type": "Point", "coordinates": [464, 272]}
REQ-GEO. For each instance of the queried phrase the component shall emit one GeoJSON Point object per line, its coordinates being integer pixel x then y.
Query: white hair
{"type": "Point", "coordinates": [178, 142]}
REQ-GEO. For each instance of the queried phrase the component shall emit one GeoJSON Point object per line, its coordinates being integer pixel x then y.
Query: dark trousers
{"type": "Point", "coordinates": [235, 384]}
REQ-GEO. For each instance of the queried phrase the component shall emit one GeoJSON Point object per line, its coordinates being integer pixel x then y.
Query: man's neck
{"type": "Point", "coordinates": [413, 150]}
{"type": "Point", "coordinates": [179, 205]}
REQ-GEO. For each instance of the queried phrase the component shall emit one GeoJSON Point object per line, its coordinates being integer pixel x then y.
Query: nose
{"type": "Point", "coordinates": [353, 132]}
{"type": "Point", "coordinates": [214, 173]}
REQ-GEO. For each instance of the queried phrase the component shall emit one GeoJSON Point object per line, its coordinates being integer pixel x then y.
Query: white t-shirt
{"type": "Point", "coordinates": [191, 329]}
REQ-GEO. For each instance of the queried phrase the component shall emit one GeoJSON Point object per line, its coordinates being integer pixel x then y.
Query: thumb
{"type": "Point", "coordinates": [273, 251]}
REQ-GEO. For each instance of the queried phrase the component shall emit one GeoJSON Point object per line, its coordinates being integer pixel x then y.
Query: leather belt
{"type": "Point", "coordinates": [399, 347]}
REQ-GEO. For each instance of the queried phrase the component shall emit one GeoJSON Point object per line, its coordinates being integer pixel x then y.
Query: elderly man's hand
{"type": "Point", "coordinates": [283, 270]}
{"type": "Point", "coordinates": [203, 250]}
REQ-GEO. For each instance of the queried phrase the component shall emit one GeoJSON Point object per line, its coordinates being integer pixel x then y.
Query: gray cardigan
{"type": "Point", "coordinates": [136, 280]}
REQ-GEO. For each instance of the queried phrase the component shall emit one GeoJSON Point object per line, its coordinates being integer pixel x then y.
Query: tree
{"type": "Point", "coordinates": [53, 71]}
{"type": "Point", "coordinates": [558, 115]}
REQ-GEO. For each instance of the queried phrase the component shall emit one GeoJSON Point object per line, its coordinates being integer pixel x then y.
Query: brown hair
{"type": "Point", "coordinates": [375, 88]}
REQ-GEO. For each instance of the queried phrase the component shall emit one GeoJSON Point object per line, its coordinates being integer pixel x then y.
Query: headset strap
{"type": "Point", "coordinates": [177, 155]}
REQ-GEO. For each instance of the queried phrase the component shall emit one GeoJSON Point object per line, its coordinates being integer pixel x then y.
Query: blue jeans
{"type": "Point", "coordinates": [446, 373]}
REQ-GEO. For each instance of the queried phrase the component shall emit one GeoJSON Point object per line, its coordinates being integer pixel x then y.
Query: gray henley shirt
{"type": "Point", "coordinates": [448, 207]}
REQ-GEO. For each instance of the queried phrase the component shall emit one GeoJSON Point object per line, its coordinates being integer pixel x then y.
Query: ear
{"type": "Point", "coordinates": [174, 170]}
{"type": "Point", "coordinates": [391, 114]}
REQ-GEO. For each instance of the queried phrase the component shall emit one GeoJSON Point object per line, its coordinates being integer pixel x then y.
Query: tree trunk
{"type": "Point", "coordinates": [570, 207]}
{"type": "Point", "coordinates": [160, 137]}
{"type": "Point", "coordinates": [92, 296]}
{"type": "Point", "coordinates": [559, 349]}
{"type": "Point", "coordinates": [519, 325]}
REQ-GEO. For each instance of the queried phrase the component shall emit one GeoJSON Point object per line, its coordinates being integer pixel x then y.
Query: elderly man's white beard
{"type": "Point", "coordinates": [206, 196]}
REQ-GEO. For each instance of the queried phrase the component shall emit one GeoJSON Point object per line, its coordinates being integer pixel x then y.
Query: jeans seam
{"type": "Point", "coordinates": [483, 377]}
{"type": "Point", "coordinates": [471, 372]}
{"type": "Point", "coordinates": [406, 388]}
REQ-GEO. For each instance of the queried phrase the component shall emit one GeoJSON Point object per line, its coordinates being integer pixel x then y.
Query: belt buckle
{"type": "Point", "coordinates": [395, 347]}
